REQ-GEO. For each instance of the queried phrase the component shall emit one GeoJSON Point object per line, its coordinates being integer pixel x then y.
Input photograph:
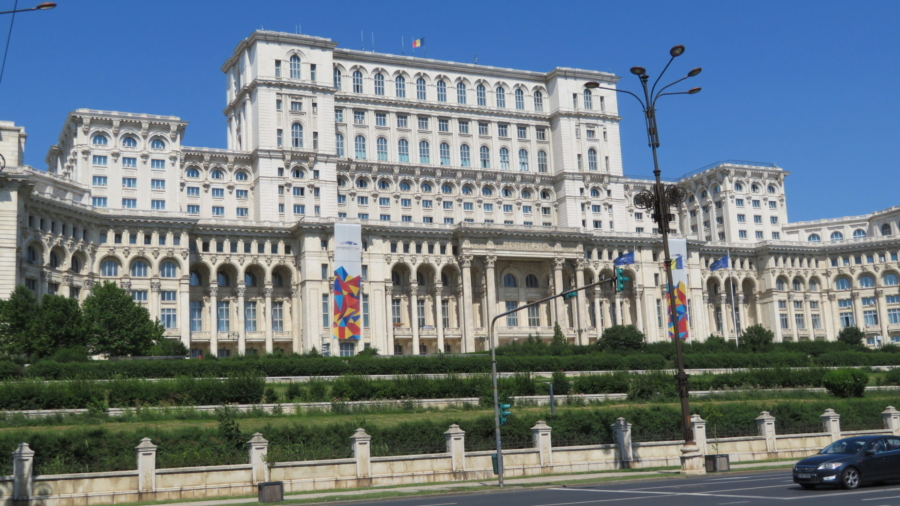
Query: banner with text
{"type": "Point", "coordinates": [347, 281]}
{"type": "Point", "coordinates": [678, 254]}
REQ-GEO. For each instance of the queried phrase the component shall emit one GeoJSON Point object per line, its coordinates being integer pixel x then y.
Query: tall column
{"type": "Point", "coordinates": [882, 316]}
{"type": "Point", "coordinates": [214, 321]}
{"type": "Point", "coordinates": [857, 312]}
{"type": "Point", "coordinates": [490, 299]}
{"type": "Point", "coordinates": [154, 299]}
{"type": "Point", "coordinates": [558, 264]}
{"type": "Point", "coordinates": [620, 313]}
{"type": "Point", "coordinates": [242, 327]}
{"type": "Point", "coordinates": [389, 316]}
{"type": "Point", "coordinates": [727, 322]}
{"type": "Point", "coordinates": [639, 302]}
{"type": "Point", "coordinates": [830, 317]}
{"type": "Point", "coordinates": [792, 321]}
{"type": "Point", "coordinates": [267, 291]}
{"type": "Point", "coordinates": [607, 312]}
{"type": "Point", "coordinates": [598, 315]}
{"type": "Point", "coordinates": [742, 311]}
{"type": "Point", "coordinates": [439, 314]}
{"type": "Point", "coordinates": [184, 303]}
{"type": "Point", "coordinates": [465, 261]}
{"type": "Point", "coordinates": [295, 320]}
{"type": "Point", "coordinates": [581, 299]}
{"type": "Point", "coordinates": [414, 315]}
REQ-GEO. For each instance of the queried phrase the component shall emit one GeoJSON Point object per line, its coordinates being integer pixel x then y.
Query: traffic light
{"type": "Point", "coordinates": [570, 295]}
{"type": "Point", "coordinates": [620, 279]}
{"type": "Point", "coordinates": [504, 412]}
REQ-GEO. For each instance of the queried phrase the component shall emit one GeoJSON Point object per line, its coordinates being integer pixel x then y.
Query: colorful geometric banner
{"type": "Point", "coordinates": [347, 312]}
{"type": "Point", "coordinates": [678, 252]}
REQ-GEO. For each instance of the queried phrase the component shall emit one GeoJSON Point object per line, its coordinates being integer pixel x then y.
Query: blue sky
{"type": "Point", "coordinates": [808, 85]}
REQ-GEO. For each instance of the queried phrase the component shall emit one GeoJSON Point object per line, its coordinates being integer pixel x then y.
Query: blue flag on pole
{"type": "Point", "coordinates": [624, 259]}
{"type": "Point", "coordinates": [721, 263]}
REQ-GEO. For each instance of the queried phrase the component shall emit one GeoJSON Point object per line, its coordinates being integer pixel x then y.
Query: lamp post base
{"type": "Point", "coordinates": [692, 460]}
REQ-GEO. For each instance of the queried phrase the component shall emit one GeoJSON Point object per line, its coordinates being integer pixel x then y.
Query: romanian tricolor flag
{"type": "Point", "coordinates": [418, 43]}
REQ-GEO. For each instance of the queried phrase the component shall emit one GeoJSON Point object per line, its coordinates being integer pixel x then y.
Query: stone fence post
{"type": "Point", "coordinates": [622, 433]}
{"type": "Point", "coordinates": [146, 465]}
{"type": "Point", "coordinates": [831, 421]}
{"type": "Point", "coordinates": [699, 426]}
{"type": "Point", "coordinates": [766, 425]}
{"type": "Point", "coordinates": [362, 452]}
{"type": "Point", "coordinates": [891, 418]}
{"type": "Point", "coordinates": [541, 435]}
{"type": "Point", "coordinates": [23, 472]}
{"type": "Point", "coordinates": [456, 447]}
{"type": "Point", "coordinates": [258, 447]}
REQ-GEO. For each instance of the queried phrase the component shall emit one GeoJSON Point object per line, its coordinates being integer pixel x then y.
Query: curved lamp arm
{"type": "Point", "coordinates": [643, 106]}
{"type": "Point", "coordinates": [666, 87]}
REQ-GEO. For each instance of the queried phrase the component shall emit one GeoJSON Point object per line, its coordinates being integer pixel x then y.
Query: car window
{"type": "Point", "coordinates": [877, 446]}
{"type": "Point", "coordinates": [845, 446]}
{"type": "Point", "coordinates": [893, 444]}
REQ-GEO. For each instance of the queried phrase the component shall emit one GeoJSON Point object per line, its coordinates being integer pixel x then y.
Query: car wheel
{"type": "Point", "coordinates": [850, 478]}
{"type": "Point", "coordinates": [808, 486]}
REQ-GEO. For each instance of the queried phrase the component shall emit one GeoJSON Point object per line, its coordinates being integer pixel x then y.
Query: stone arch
{"type": "Point", "coordinates": [112, 258]}
{"type": "Point", "coordinates": [231, 271]}
{"type": "Point", "coordinates": [515, 276]}
{"type": "Point", "coordinates": [56, 257]}
{"type": "Point", "coordinates": [284, 273]}
{"type": "Point", "coordinates": [450, 276]}
{"type": "Point", "coordinates": [158, 268]}
{"type": "Point", "coordinates": [798, 284]}
{"type": "Point", "coordinates": [82, 258]}
{"type": "Point", "coordinates": [142, 259]}
{"type": "Point", "coordinates": [714, 285]}
{"type": "Point", "coordinates": [400, 274]}
{"type": "Point", "coordinates": [203, 271]}
{"type": "Point", "coordinates": [425, 275]}
{"type": "Point", "coordinates": [257, 276]}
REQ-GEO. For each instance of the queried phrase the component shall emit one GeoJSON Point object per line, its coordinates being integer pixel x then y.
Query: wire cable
{"type": "Point", "coordinates": [8, 37]}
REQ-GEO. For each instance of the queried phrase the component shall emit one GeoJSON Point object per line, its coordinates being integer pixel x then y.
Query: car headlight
{"type": "Point", "coordinates": [831, 465]}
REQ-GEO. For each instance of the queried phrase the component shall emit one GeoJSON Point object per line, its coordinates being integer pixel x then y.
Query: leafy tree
{"type": "Point", "coordinates": [622, 338]}
{"type": "Point", "coordinates": [60, 325]}
{"type": "Point", "coordinates": [559, 338]}
{"type": "Point", "coordinates": [851, 335]}
{"type": "Point", "coordinates": [18, 323]}
{"type": "Point", "coordinates": [116, 325]}
{"type": "Point", "coordinates": [166, 347]}
{"type": "Point", "coordinates": [756, 337]}
{"type": "Point", "coordinates": [368, 352]}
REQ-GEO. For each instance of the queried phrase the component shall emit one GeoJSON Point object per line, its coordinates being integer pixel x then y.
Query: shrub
{"type": "Point", "coordinates": [561, 383]}
{"type": "Point", "coordinates": [622, 338]}
{"type": "Point", "coordinates": [166, 347]}
{"type": "Point", "coordinates": [71, 354]}
{"type": "Point", "coordinates": [756, 337]}
{"type": "Point", "coordinates": [851, 336]}
{"type": "Point", "coordinates": [846, 382]}
{"type": "Point", "coordinates": [892, 377]}
{"type": "Point", "coordinates": [10, 370]}
{"type": "Point", "coordinates": [652, 386]}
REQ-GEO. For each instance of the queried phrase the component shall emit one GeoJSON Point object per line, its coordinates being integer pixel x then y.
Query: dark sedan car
{"type": "Point", "coordinates": [851, 462]}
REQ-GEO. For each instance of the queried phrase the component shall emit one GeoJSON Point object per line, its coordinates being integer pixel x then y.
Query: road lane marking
{"type": "Point", "coordinates": [736, 502]}
{"type": "Point", "coordinates": [602, 500]}
{"type": "Point", "coordinates": [670, 494]}
{"type": "Point", "coordinates": [882, 498]}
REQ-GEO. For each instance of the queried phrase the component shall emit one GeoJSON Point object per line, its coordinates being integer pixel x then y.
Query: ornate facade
{"type": "Point", "coordinates": [478, 189]}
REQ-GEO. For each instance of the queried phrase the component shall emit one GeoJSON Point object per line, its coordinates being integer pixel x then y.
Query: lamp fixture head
{"type": "Point", "coordinates": [45, 6]}
{"type": "Point", "coordinates": [638, 71]}
{"type": "Point", "coordinates": [695, 71]}
{"type": "Point", "coordinates": [676, 51]}
{"type": "Point", "coordinates": [694, 90]}
{"type": "Point", "coordinates": [592, 85]}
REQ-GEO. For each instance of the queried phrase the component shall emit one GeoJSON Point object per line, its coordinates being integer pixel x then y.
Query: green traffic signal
{"type": "Point", "coordinates": [620, 279]}
{"type": "Point", "coordinates": [570, 295]}
{"type": "Point", "coordinates": [504, 412]}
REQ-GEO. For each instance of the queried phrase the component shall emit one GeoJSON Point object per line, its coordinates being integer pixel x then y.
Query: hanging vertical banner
{"type": "Point", "coordinates": [347, 281]}
{"type": "Point", "coordinates": [678, 253]}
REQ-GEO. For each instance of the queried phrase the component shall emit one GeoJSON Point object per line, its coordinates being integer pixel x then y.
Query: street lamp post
{"type": "Point", "coordinates": [659, 201]}
{"type": "Point", "coordinates": [39, 7]}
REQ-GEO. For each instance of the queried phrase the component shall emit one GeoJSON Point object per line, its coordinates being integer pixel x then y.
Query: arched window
{"type": "Point", "coordinates": [504, 159]}
{"type": "Point", "coordinates": [509, 281]}
{"type": "Point", "coordinates": [542, 161]}
{"type": "Point", "coordinates": [129, 142]}
{"type": "Point", "coordinates": [460, 93]}
{"type": "Point", "coordinates": [859, 233]}
{"type": "Point", "coordinates": [508, 192]}
{"type": "Point", "coordinates": [400, 85]}
{"type": "Point", "coordinates": [379, 84]}
{"type": "Point", "coordinates": [842, 284]}
{"type": "Point", "coordinates": [771, 189]}
{"type": "Point", "coordinates": [395, 278]}
{"type": "Point", "coordinates": [426, 188]}
{"type": "Point", "coordinates": [404, 186]}
{"type": "Point", "coordinates": [531, 281]}
{"type": "Point", "coordinates": [357, 82]}
{"type": "Point", "coordinates": [168, 269]}
{"type": "Point", "coordinates": [362, 183]}
{"type": "Point", "coordinates": [798, 285]}
{"type": "Point", "coordinates": [487, 191]}
{"type": "Point", "coordinates": [139, 269]}
{"type": "Point", "coordinates": [446, 189]}
{"type": "Point", "coordinates": [100, 140]}
{"type": "Point", "coordinates": [424, 152]}
{"type": "Point", "coordinates": [277, 280]}
{"type": "Point", "coordinates": [359, 147]}
{"type": "Point", "coordinates": [339, 145]}
{"type": "Point", "coordinates": [520, 99]}
{"type": "Point", "coordinates": [886, 229]}
{"type": "Point", "coordinates": [195, 279]}
{"type": "Point", "coordinates": [595, 192]}
{"type": "Point", "coordinates": [240, 176]}
{"type": "Point", "coordinates": [813, 285]}
{"type": "Point", "coordinates": [217, 174]}
{"type": "Point", "coordinates": [837, 236]}
{"type": "Point", "coordinates": [467, 190]}
{"type": "Point", "coordinates": [382, 149]}
{"type": "Point", "coordinates": [420, 89]}
{"type": "Point", "coordinates": [192, 173]}
{"type": "Point", "coordinates": [54, 260]}
{"type": "Point", "coordinates": [717, 189]}
{"type": "Point", "coordinates": [222, 279]}
{"type": "Point", "coordinates": [384, 184]}
{"type": "Point", "coordinates": [588, 100]}
{"type": "Point", "coordinates": [592, 159]}
{"type": "Point", "coordinates": [420, 278]}
{"type": "Point", "coordinates": [501, 97]}
{"type": "Point", "coordinates": [76, 265]}
{"type": "Point", "coordinates": [249, 279]}
{"type": "Point", "coordinates": [442, 91]}
{"type": "Point", "coordinates": [337, 78]}
{"type": "Point", "coordinates": [480, 95]}
{"type": "Point", "coordinates": [754, 188]}
{"type": "Point", "coordinates": [465, 156]}
{"type": "Point", "coordinates": [523, 160]}
{"type": "Point", "coordinates": [297, 135]}
{"type": "Point", "coordinates": [538, 101]}
{"type": "Point", "coordinates": [780, 284]}
{"type": "Point", "coordinates": [295, 67]}
{"type": "Point", "coordinates": [889, 279]}
{"type": "Point", "coordinates": [403, 150]}
{"type": "Point", "coordinates": [866, 281]}
{"type": "Point", "coordinates": [738, 187]}
{"type": "Point", "coordinates": [109, 268]}
{"type": "Point", "coordinates": [342, 182]}
{"type": "Point", "coordinates": [814, 238]}
{"type": "Point", "coordinates": [484, 154]}
{"type": "Point", "coordinates": [445, 153]}
{"type": "Point", "coordinates": [545, 195]}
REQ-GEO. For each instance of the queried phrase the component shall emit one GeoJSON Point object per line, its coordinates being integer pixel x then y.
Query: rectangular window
{"type": "Point", "coordinates": [380, 119]}
{"type": "Point", "coordinates": [402, 121]}
{"type": "Point", "coordinates": [522, 132]}
{"type": "Point", "coordinates": [463, 127]}
{"type": "Point", "coordinates": [420, 313]}
{"type": "Point", "coordinates": [846, 320]}
{"type": "Point", "coordinates": [365, 310]}
{"type": "Point", "coordinates": [443, 125]}
{"type": "Point", "coordinates": [534, 316]}
{"type": "Point", "coordinates": [893, 316]}
{"type": "Point", "coordinates": [278, 316]}
{"type": "Point", "coordinates": [426, 204]}
{"type": "Point", "coordinates": [167, 295]}
{"type": "Point", "coordinates": [423, 122]}
{"type": "Point", "coordinates": [242, 194]}
{"type": "Point", "coordinates": [870, 318]}
{"type": "Point", "coordinates": [99, 180]}
{"type": "Point", "coordinates": [448, 221]}
{"type": "Point", "coordinates": [507, 208]}
{"type": "Point", "coordinates": [512, 320]}
{"type": "Point", "coordinates": [359, 117]}
{"type": "Point", "coordinates": [99, 201]}
{"type": "Point", "coordinates": [363, 201]}
{"type": "Point", "coordinates": [347, 349]}
{"type": "Point", "coordinates": [223, 317]}
{"type": "Point", "coordinates": [193, 209]}
{"type": "Point", "coordinates": [196, 316]}
{"type": "Point", "coordinates": [385, 217]}
{"type": "Point", "coordinates": [139, 295]}
{"type": "Point", "coordinates": [755, 204]}
{"type": "Point", "coordinates": [541, 133]}
{"type": "Point", "coordinates": [326, 313]}
{"type": "Point", "coordinates": [299, 209]}
{"type": "Point", "coordinates": [395, 312]}
{"type": "Point", "coordinates": [129, 162]}
{"type": "Point", "coordinates": [759, 234]}
{"type": "Point", "coordinates": [99, 160]}
{"type": "Point", "coordinates": [868, 301]}
{"type": "Point", "coordinates": [483, 128]}
{"type": "Point", "coordinates": [526, 209]}
{"type": "Point", "coordinates": [503, 130]}
{"type": "Point", "coordinates": [129, 203]}
{"type": "Point", "coordinates": [448, 204]}
{"type": "Point", "coordinates": [892, 299]}
{"type": "Point", "coordinates": [279, 138]}
{"type": "Point", "coordinates": [157, 164]}
{"type": "Point", "coordinates": [785, 323]}
{"type": "Point", "coordinates": [742, 234]}
{"type": "Point", "coordinates": [168, 318]}
{"type": "Point", "coordinates": [741, 218]}
{"type": "Point", "coordinates": [757, 219]}
{"type": "Point", "coordinates": [776, 235]}
{"type": "Point", "coordinates": [218, 193]}
{"type": "Point", "coordinates": [338, 115]}
{"type": "Point", "coordinates": [159, 205]}
{"type": "Point", "coordinates": [218, 211]}
{"type": "Point", "coordinates": [739, 202]}
{"type": "Point", "coordinates": [773, 205]}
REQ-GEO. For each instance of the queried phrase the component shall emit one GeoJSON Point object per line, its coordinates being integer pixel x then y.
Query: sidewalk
{"type": "Point", "coordinates": [456, 487]}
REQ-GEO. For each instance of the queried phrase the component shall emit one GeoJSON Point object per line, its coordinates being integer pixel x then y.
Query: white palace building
{"type": "Point", "coordinates": [478, 189]}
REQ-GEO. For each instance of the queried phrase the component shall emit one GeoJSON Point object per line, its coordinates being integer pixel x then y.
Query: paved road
{"type": "Point", "coordinates": [713, 490]}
